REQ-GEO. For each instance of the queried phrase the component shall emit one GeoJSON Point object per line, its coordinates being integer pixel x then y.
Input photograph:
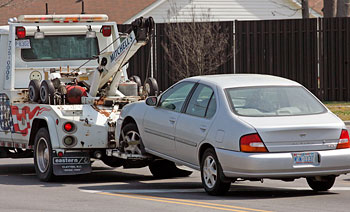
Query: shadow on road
{"type": "Point", "coordinates": [24, 174]}
{"type": "Point", "coordinates": [119, 181]}
{"type": "Point", "coordinates": [195, 191]}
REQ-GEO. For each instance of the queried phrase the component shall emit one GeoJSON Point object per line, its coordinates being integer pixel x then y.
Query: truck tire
{"type": "Point", "coordinates": [163, 169]}
{"type": "Point", "coordinates": [47, 91]}
{"type": "Point", "coordinates": [212, 175]}
{"type": "Point", "coordinates": [34, 90]}
{"type": "Point", "coordinates": [136, 79]}
{"type": "Point", "coordinates": [151, 87]}
{"type": "Point", "coordinates": [43, 155]}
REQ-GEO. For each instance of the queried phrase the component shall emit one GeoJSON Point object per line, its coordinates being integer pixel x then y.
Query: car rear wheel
{"type": "Point", "coordinates": [323, 183]}
{"type": "Point", "coordinates": [213, 179]}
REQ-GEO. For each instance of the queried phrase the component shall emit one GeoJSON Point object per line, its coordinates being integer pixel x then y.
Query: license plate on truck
{"type": "Point", "coordinates": [305, 158]}
{"type": "Point", "coordinates": [72, 163]}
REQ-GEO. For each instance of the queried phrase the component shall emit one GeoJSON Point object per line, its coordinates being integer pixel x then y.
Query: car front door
{"type": "Point", "coordinates": [160, 121]}
{"type": "Point", "coordinates": [193, 125]}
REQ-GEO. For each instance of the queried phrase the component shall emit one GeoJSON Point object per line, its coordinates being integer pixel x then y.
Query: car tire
{"type": "Point", "coordinates": [130, 132]}
{"type": "Point", "coordinates": [34, 90]}
{"type": "Point", "coordinates": [213, 179]}
{"type": "Point", "coordinates": [163, 169]}
{"type": "Point", "coordinates": [322, 184]}
{"type": "Point", "coordinates": [47, 91]}
{"type": "Point", "coordinates": [43, 156]}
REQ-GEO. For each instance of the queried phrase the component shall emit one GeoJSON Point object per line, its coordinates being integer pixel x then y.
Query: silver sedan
{"type": "Point", "coordinates": [240, 126]}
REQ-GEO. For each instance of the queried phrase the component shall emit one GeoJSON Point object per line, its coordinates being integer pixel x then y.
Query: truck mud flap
{"type": "Point", "coordinates": [72, 163]}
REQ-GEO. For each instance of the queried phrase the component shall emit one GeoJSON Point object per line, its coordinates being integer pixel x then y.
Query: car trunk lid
{"type": "Point", "coordinates": [298, 133]}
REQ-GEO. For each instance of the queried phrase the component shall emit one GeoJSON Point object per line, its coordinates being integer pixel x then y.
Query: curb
{"type": "Point", "coordinates": [347, 122]}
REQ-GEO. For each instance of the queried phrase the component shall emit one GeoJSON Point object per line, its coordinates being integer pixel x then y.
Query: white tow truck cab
{"type": "Point", "coordinates": [59, 97]}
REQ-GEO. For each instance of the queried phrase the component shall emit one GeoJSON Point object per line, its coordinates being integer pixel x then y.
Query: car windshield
{"type": "Point", "coordinates": [68, 47]}
{"type": "Point", "coordinates": [273, 101]}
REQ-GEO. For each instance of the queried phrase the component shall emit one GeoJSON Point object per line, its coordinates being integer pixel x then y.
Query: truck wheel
{"type": "Point", "coordinates": [34, 90]}
{"type": "Point", "coordinates": [47, 91]}
{"type": "Point", "coordinates": [43, 155]}
{"type": "Point", "coordinates": [321, 183]}
{"type": "Point", "coordinates": [151, 87]}
{"type": "Point", "coordinates": [163, 169]}
{"type": "Point", "coordinates": [212, 174]}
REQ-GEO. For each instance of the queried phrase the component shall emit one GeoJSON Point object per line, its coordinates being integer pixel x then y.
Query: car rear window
{"type": "Point", "coordinates": [68, 47]}
{"type": "Point", "coordinates": [273, 101]}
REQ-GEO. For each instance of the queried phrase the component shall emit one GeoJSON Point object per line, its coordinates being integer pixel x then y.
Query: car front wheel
{"type": "Point", "coordinates": [323, 183]}
{"type": "Point", "coordinates": [213, 179]}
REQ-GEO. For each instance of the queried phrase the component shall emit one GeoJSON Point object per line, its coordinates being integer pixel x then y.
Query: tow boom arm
{"type": "Point", "coordinates": [110, 63]}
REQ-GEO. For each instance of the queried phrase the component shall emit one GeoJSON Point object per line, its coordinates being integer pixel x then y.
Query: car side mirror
{"type": "Point", "coordinates": [151, 101]}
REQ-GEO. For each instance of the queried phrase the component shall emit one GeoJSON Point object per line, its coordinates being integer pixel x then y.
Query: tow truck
{"type": "Point", "coordinates": [63, 85]}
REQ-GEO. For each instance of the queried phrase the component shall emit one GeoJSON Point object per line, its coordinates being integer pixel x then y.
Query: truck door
{"type": "Point", "coordinates": [5, 119]}
{"type": "Point", "coordinates": [5, 110]}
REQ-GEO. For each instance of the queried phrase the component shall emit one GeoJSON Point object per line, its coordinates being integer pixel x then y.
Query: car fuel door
{"type": "Point", "coordinates": [160, 121]}
{"type": "Point", "coordinates": [192, 126]}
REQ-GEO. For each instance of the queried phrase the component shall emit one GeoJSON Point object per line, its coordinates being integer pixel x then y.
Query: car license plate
{"type": "Point", "coordinates": [305, 158]}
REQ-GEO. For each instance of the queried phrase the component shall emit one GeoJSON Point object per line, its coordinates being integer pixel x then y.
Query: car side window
{"type": "Point", "coordinates": [202, 103]}
{"type": "Point", "coordinates": [175, 97]}
{"type": "Point", "coordinates": [211, 108]}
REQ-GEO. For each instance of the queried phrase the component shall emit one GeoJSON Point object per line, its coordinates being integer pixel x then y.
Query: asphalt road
{"type": "Point", "coordinates": [108, 189]}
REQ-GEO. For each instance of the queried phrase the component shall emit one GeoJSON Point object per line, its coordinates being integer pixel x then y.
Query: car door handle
{"type": "Point", "coordinates": [203, 128]}
{"type": "Point", "coordinates": [172, 120]}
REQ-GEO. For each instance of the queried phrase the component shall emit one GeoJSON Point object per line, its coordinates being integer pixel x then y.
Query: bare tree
{"type": "Point", "coordinates": [305, 8]}
{"type": "Point", "coordinates": [343, 8]}
{"type": "Point", "coordinates": [330, 8]}
{"type": "Point", "coordinates": [5, 3]}
{"type": "Point", "coordinates": [10, 3]}
{"type": "Point", "coordinates": [195, 48]}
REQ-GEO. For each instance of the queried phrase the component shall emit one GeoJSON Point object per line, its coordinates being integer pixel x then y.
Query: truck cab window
{"type": "Point", "coordinates": [69, 47]}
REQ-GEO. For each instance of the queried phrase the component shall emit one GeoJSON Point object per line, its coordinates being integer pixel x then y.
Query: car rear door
{"type": "Point", "coordinates": [159, 122]}
{"type": "Point", "coordinates": [193, 125]}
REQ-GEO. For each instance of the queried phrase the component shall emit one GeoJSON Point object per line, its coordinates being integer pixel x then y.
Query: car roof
{"type": "Point", "coordinates": [244, 80]}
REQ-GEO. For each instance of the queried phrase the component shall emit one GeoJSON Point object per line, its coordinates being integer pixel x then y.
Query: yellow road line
{"type": "Point", "coordinates": [207, 203]}
{"type": "Point", "coordinates": [185, 202]}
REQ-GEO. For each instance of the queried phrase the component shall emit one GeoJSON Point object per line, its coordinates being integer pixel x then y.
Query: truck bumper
{"type": "Point", "coordinates": [72, 163]}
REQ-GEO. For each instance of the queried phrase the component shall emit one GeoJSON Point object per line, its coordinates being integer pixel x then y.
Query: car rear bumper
{"type": "Point", "coordinates": [281, 165]}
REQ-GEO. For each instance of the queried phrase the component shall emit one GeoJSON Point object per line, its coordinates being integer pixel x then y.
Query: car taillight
{"type": "Point", "coordinates": [20, 32]}
{"type": "Point", "coordinates": [343, 140]}
{"type": "Point", "coordinates": [106, 31]}
{"type": "Point", "coordinates": [252, 143]}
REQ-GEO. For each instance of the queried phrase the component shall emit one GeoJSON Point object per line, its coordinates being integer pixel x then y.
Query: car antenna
{"type": "Point", "coordinates": [82, 7]}
{"type": "Point", "coordinates": [47, 8]}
